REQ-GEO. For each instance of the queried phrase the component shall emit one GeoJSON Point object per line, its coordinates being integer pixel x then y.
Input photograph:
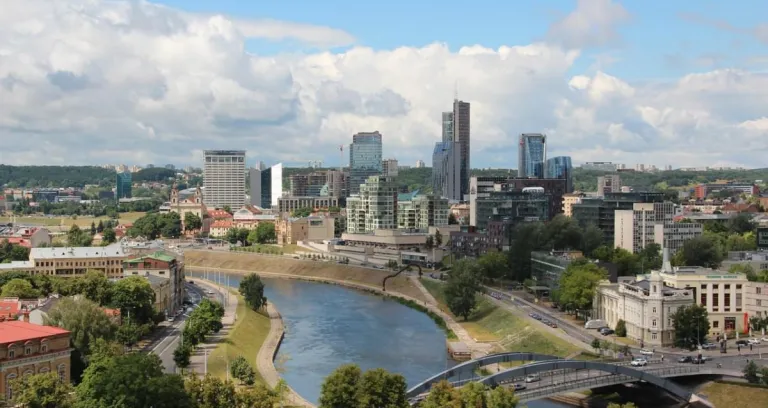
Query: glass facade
{"type": "Point", "coordinates": [123, 185]}
{"type": "Point", "coordinates": [446, 170]}
{"type": "Point", "coordinates": [447, 126]}
{"type": "Point", "coordinates": [560, 168]}
{"type": "Point", "coordinates": [512, 206]}
{"type": "Point", "coordinates": [364, 159]}
{"type": "Point", "coordinates": [532, 152]}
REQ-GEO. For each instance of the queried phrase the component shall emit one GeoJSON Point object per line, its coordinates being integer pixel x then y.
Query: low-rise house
{"type": "Point", "coordinates": [160, 265]}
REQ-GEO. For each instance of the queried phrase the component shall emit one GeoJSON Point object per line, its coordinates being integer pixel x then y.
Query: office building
{"type": "Point", "coordinates": [531, 155]}
{"type": "Point", "coordinates": [446, 171]}
{"type": "Point", "coordinates": [608, 184]}
{"type": "Point", "coordinates": [308, 185]}
{"type": "Point", "coordinates": [601, 211]}
{"type": "Point", "coordinates": [419, 164]}
{"type": "Point", "coordinates": [375, 207]}
{"type": "Point", "coordinates": [389, 167]}
{"type": "Point", "coordinates": [364, 159]}
{"type": "Point", "coordinates": [560, 168]}
{"type": "Point", "coordinates": [224, 178]}
{"type": "Point", "coordinates": [419, 212]}
{"type": "Point", "coordinates": [672, 235]}
{"type": "Point", "coordinates": [756, 299]}
{"type": "Point", "coordinates": [123, 186]}
{"type": "Point", "coordinates": [634, 228]}
{"type": "Point", "coordinates": [461, 136]}
{"type": "Point", "coordinates": [548, 267]}
{"type": "Point", "coordinates": [337, 185]}
{"type": "Point", "coordinates": [513, 206]}
{"type": "Point", "coordinates": [447, 127]}
{"type": "Point", "coordinates": [600, 166]}
{"type": "Point", "coordinates": [481, 187]}
{"type": "Point", "coordinates": [266, 186]}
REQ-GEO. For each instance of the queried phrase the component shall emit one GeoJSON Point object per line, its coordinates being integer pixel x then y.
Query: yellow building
{"type": "Point", "coordinates": [192, 204]}
{"type": "Point", "coordinates": [72, 261]}
{"type": "Point", "coordinates": [569, 200]}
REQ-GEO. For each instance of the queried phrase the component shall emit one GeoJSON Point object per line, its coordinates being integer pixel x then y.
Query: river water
{"type": "Point", "coordinates": [327, 326]}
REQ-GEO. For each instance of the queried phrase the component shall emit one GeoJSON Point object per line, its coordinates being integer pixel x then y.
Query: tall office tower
{"type": "Point", "coordinates": [610, 183]}
{"type": "Point", "coordinates": [560, 168]}
{"type": "Point", "coordinates": [446, 170]}
{"type": "Point", "coordinates": [124, 185]}
{"type": "Point", "coordinates": [364, 159]}
{"type": "Point", "coordinates": [531, 155]}
{"type": "Point", "coordinates": [266, 186]}
{"type": "Point", "coordinates": [461, 137]}
{"type": "Point", "coordinates": [224, 178]}
{"type": "Point", "coordinates": [447, 126]}
{"type": "Point", "coordinates": [389, 167]}
{"type": "Point", "coordinates": [308, 185]}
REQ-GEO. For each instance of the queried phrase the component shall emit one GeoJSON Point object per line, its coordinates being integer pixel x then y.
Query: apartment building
{"type": "Point", "coordinates": [672, 235]}
{"type": "Point", "coordinates": [610, 183]}
{"type": "Point", "coordinates": [569, 200]}
{"type": "Point", "coordinates": [634, 229]}
{"type": "Point", "coordinates": [374, 208]}
{"type": "Point", "coordinates": [292, 203]}
{"type": "Point", "coordinates": [161, 265]}
{"type": "Point", "coordinates": [420, 212]}
{"type": "Point", "coordinates": [224, 178]}
{"type": "Point", "coordinates": [71, 261]}
{"type": "Point", "coordinates": [756, 299]}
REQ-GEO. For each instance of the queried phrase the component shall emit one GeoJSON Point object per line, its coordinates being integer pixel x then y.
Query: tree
{"type": "Point", "coordinates": [134, 380]}
{"type": "Point", "coordinates": [596, 344]}
{"type": "Point", "coordinates": [78, 238]}
{"type": "Point", "coordinates": [258, 396]}
{"type": "Point", "coordinates": [750, 373]}
{"type": "Point", "coordinates": [339, 389]}
{"type": "Point", "coordinates": [493, 265]}
{"type": "Point", "coordinates": [232, 236]}
{"type": "Point", "coordinates": [700, 251]}
{"type": "Point", "coordinates": [651, 257]}
{"type": "Point", "coordinates": [741, 223]}
{"type": "Point", "coordinates": [462, 287]}
{"type": "Point", "coordinates": [578, 283]}
{"type": "Point", "coordinates": [192, 222]}
{"type": "Point", "coordinates": [378, 388]}
{"type": "Point", "coordinates": [621, 328]}
{"type": "Point", "coordinates": [452, 219]}
{"type": "Point", "coordinates": [502, 397]}
{"type": "Point", "coordinates": [526, 238]}
{"type": "Point", "coordinates": [265, 232]}
{"type": "Point", "coordinates": [95, 286]}
{"type": "Point", "coordinates": [108, 236]}
{"type": "Point", "coordinates": [84, 318]}
{"type": "Point", "coordinates": [591, 238]}
{"type": "Point", "coordinates": [210, 392]}
{"type": "Point", "coordinates": [442, 395]}
{"type": "Point", "coordinates": [241, 369]}
{"type": "Point", "coordinates": [473, 395]}
{"type": "Point", "coordinates": [93, 228]}
{"type": "Point", "coordinates": [252, 290]}
{"type": "Point", "coordinates": [430, 243]}
{"type": "Point", "coordinates": [100, 226]}
{"type": "Point", "coordinates": [42, 391]}
{"type": "Point", "coordinates": [129, 333]}
{"type": "Point", "coordinates": [438, 238]}
{"type": "Point", "coordinates": [20, 288]}
{"type": "Point", "coordinates": [691, 325]}
{"type": "Point", "coordinates": [134, 297]}
{"type": "Point", "coordinates": [182, 355]}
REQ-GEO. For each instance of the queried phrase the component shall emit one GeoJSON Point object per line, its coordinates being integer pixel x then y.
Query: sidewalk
{"type": "Point", "coordinates": [198, 358]}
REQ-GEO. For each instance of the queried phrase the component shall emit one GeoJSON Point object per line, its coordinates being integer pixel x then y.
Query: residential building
{"type": "Point", "coordinates": [461, 136]}
{"type": "Point", "coordinates": [756, 299]}
{"type": "Point", "coordinates": [266, 186]}
{"type": "Point", "coordinates": [162, 265]}
{"type": "Point", "coordinates": [250, 216]}
{"type": "Point", "coordinates": [420, 212]}
{"type": "Point", "coordinates": [364, 159]}
{"type": "Point", "coordinates": [569, 200]}
{"type": "Point", "coordinates": [704, 190]}
{"type": "Point", "coordinates": [610, 183]}
{"type": "Point", "coordinates": [634, 229]}
{"type": "Point", "coordinates": [601, 211]}
{"type": "Point", "coordinates": [646, 306]}
{"type": "Point", "coordinates": [123, 185]}
{"type": "Point", "coordinates": [447, 133]}
{"type": "Point", "coordinates": [71, 261]}
{"type": "Point", "coordinates": [224, 178]}
{"type": "Point", "coordinates": [467, 244]}
{"type": "Point", "coordinates": [389, 167]}
{"type": "Point", "coordinates": [338, 185]}
{"type": "Point", "coordinates": [220, 228]}
{"type": "Point", "coordinates": [560, 167]}
{"type": "Point", "coordinates": [192, 204]}
{"type": "Point", "coordinates": [531, 155]}
{"type": "Point", "coordinates": [672, 235]}
{"type": "Point", "coordinates": [600, 166]}
{"type": "Point", "coordinates": [289, 204]}
{"type": "Point", "coordinates": [28, 349]}
{"type": "Point", "coordinates": [419, 164]}
{"type": "Point", "coordinates": [446, 170]}
{"type": "Point", "coordinates": [28, 237]}
{"type": "Point", "coordinates": [374, 208]}
{"type": "Point", "coordinates": [307, 185]}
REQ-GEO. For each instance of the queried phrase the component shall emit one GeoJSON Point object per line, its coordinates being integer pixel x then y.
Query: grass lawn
{"type": "Point", "coordinates": [489, 323]}
{"type": "Point", "coordinates": [245, 339]}
{"type": "Point", "coordinates": [732, 395]}
{"type": "Point", "coordinates": [82, 221]}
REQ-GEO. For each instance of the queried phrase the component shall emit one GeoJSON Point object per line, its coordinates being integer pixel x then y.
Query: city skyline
{"type": "Point", "coordinates": [291, 85]}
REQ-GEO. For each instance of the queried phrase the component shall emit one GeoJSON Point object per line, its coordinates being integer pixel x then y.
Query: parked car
{"type": "Point", "coordinates": [639, 362]}
{"type": "Point", "coordinates": [699, 360]}
{"type": "Point", "coordinates": [709, 346]}
{"type": "Point", "coordinates": [595, 324]}
{"type": "Point", "coordinates": [606, 332]}
{"type": "Point", "coordinates": [545, 321]}
{"type": "Point", "coordinates": [685, 359]}
{"type": "Point", "coordinates": [519, 387]}
{"type": "Point", "coordinates": [553, 325]}
{"type": "Point", "coordinates": [532, 378]}
{"type": "Point", "coordinates": [753, 341]}
{"type": "Point", "coordinates": [646, 352]}
{"type": "Point", "coordinates": [742, 342]}
{"type": "Point", "coordinates": [764, 339]}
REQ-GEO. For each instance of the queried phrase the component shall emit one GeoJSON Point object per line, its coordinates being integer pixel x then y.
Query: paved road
{"type": "Point", "coordinates": [171, 336]}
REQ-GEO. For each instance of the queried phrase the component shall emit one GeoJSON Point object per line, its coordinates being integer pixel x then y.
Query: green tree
{"type": "Point", "coordinates": [233, 236]}
{"type": "Point", "coordinates": [192, 222]}
{"type": "Point", "coordinates": [591, 238]}
{"type": "Point", "coordinates": [84, 318]}
{"type": "Point", "coordinates": [78, 238]}
{"type": "Point", "coordinates": [182, 355]}
{"type": "Point", "coordinates": [265, 232]}
{"type": "Point", "coordinates": [691, 325]}
{"type": "Point", "coordinates": [93, 228]}
{"type": "Point", "coordinates": [42, 391]}
{"type": "Point", "coordinates": [526, 237]}
{"type": "Point", "coordinates": [651, 257]}
{"type": "Point", "coordinates": [462, 287]}
{"type": "Point", "coordinates": [700, 251]}
{"type": "Point", "coordinates": [339, 389]}
{"type": "Point", "coordinates": [302, 212]}
{"type": "Point", "coordinates": [442, 395]}
{"type": "Point", "coordinates": [578, 283]}
{"type": "Point", "coordinates": [241, 369]}
{"type": "Point", "coordinates": [129, 333]}
{"type": "Point", "coordinates": [438, 238]}
{"type": "Point", "coordinates": [596, 345]}
{"type": "Point", "coordinates": [258, 396]}
{"type": "Point", "coordinates": [621, 328]}
{"type": "Point", "coordinates": [134, 297]}
{"type": "Point", "coordinates": [95, 286]}
{"type": "Point", "coordinates": [20, 288]}
{"type": "Point", "coordinates": [452, 219]}
{"type": "Point", "coordinates": [741, 223]}
{"type": "Point", "coordinates": [252, 290]}
{"type": "Point", "coordinates": [378, 388]}
{"type": "Point", "coordinates": [211, 392]}
{"type": "Point", "coordinates": [473, 395]}
{"type": "Point", "coordinates": [502, 397]}
{"type": "Point", "coordinates": [100, 226]}
{"type": "Point", "coordinates": [750, 372]}
{"type": "Point", "coordinates": [108, 236]}
{"type": "Point", "coordinates": [430, 243]}
{"type": "Point", "coordinates": [134, 380]}
{"type": "Point", "coordinates": [493, 265]}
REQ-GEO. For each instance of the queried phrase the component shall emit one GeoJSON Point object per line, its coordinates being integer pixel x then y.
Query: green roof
{"type": "Point", "coordinates": [159, 255]}
{"type": "Point", "coordinates": [407, 196]}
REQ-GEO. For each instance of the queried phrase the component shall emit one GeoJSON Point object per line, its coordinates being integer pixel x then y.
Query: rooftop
{"type": "Point", "coordinates": [20, 331]}
{"type": "Point", "coordinates": [114, 250]}
{"type": "Point", "coordinates": [159, 255]}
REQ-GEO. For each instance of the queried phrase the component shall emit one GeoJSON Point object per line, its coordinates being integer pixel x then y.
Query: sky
{"type": "Point", "coordinates": [678, 83]}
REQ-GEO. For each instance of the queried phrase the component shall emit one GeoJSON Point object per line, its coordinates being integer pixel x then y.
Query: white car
{"type": "Point", "coordinates": [646, 352]}
{"type": "Point", "coordinates": [639, 362]}
{"type": "Point", "coordinates": [764, 339]}
{"type": "Point", "coordinates": [753, 341]}
{"type": "Point", "coordinates": [532, 378]}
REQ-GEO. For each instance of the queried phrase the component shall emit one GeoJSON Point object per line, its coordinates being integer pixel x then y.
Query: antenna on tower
{"type": "Point", "coordinates": [456, 90]}
{"type": "Point", "coordinates": [341, 154]}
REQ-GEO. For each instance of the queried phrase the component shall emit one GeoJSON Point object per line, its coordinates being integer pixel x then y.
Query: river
{"type": "Point", "coordinates": [329, 325]}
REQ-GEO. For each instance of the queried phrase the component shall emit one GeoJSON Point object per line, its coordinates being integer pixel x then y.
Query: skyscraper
{"type": "Point", "coordinates": [446, 170]}
{"type": "Point", "coordinates": [364, 159]}
{"type": "Point", "coordinates": [461, 137]}
{"type": "Point", "coordinates": [224, 178]}
{"type": "Point", "coordinates": [531, 155]}
{"type": "Point", "coordinates": [560, 168]}
{"type": "Point", "coordinates": [123, 185]}
{"type": "Point", "coordinates": [447, 126]}
{"type": "Point", "coordinates": [266, 185]}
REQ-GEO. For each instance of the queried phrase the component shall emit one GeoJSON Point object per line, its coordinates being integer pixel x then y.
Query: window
{"type": "Point", "coordinates": [715, 301]}
{"type": "Point", "coordinates": [62, 371]}
{"type": "Point", "coordinates": [704, 299]}
{"type": "Point", "coordinates": [44, 370]}
{"type": "Point", "coordinates": [715, 324]}
{"type": "Point", "coordinates": [654, 310]}
{"type": "Point", "coordinates": [758, 302]}
{"type": "Point", "coordinates": [653, 336]}
{"type": "Point", "coordinates": [8, 388]}
{"type": "Point", "coordinates": [738, 287]}
{"type": "Point", "coordinates": [28, 373]}
{"type": "Point", "coordinates": [11, 353]}
{"type": "Point", "coordinates": [44, 348]}
{"type": "Point", "coordinates": [757, 291]}
{"type": "Point", "coordinates": [27, 351]}
{"type": "Point", "coordinates": [715, 286]}
{"type": "Point", "coordinates": [654, 322]}
{"type": "Point", "coordinates": [704, 286]}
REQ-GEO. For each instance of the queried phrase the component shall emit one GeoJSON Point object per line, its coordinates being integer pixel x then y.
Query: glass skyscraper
{"type": "Point", "coordinates": [364, 159]}
{"type": "Point", "coordinates": [560, 168]}
{"type": "Point", "coordinates": [532, 154]}
{"type": "Point", "coordinates": [266, 186]}
{"type": "Point", "coordinates": [446, 170]}
{"type": "Point", "coordinates": [124, 185]}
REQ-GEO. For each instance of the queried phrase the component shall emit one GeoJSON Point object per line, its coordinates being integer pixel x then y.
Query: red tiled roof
{"type": "Point", "coordinates": [19, 331]}
{"type": "Point", "coordinates": [221, 224]}
{"type": "Point", "coordinates": [217, 214]}
{"type": "Point", "coordinates": [19, 241]}
{"type": "Point", "coordinates": [9, 308]}
{"type": "Point", "coordinates": [111, 312]}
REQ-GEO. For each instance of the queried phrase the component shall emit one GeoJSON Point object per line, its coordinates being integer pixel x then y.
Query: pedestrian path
{"type": "Point", "coordinates": [199, 357]}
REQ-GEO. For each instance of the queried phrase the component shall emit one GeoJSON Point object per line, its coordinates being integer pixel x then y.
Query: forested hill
{"type": "Point", "coordinates": [54, 176]}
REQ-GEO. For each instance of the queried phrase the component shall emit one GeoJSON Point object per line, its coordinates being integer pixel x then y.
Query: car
{"type": "Point", "coordinates": [742, 342]}
{"type": "Point", "coordinates": [753, 341]}
{"type": "Point", "coordinates": [646, 352]}
{"type": "Point", "coordinates": [532, 378]}
{"type": "Point", "coordinates": [698, 360]}
{"type": "Point", "coordinates": [553, 325]}
{"type": "Point", "coordinates": [685, 359]}
{"type": "Point", "coordinates": [764, 339]}
{"type": "Point", "coordinates": [639, 362]}
{"type": "Point", "coordinates": [170, 318]}
{"type": "Point", "coordinates": [709, 346]}
{"type": "Point", "coordinates": [606, 332]}
{"type": "Point", "coordinates": [519, 387]}
{"type": "Point", "coordinates": [545, 321]}
{"type": "Point", "coordinates": [537, 317]}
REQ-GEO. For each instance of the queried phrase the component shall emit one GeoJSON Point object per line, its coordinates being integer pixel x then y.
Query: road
{"type": "Point", "coordinates": [171, 334]}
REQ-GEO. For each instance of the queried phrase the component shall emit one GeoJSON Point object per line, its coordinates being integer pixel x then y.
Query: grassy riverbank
{"type": "Point", "coordinates": [245, 339]}
{"type": "Point", "coordinates": [491, 323]}
{"type": "Point", "coordinates": [67, 222]}
{"type": "Point", "coordinates": [734, 395]}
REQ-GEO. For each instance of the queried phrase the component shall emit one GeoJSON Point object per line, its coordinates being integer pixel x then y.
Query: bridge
{"type": "Point", "coordinates": [559, 376]}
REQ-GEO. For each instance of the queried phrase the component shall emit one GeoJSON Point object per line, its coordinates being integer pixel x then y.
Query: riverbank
{"type": "Point", "coordinates": [729, 394]}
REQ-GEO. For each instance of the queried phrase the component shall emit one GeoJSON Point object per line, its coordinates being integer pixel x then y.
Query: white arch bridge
{"type": "Point", "coordinates": [560, 376]}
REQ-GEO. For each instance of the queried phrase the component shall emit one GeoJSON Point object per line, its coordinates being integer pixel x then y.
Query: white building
{"type": "Point", "coordinates": [266, 186]}
{"type": "Point", "coordinates": [421, 212]}
{"type": "Point", "coordinates": [374, 208]}
{"type": "Point", "coordinates": [224, 178]}
{"type": "Point", "coordinates": [648, 223]}
{"type": "Point", "coordinates": [673, 235]}
{"type": "Point", "coordinates": [756, 299]}
{"type": "Point", "coordinates": [419, 164]}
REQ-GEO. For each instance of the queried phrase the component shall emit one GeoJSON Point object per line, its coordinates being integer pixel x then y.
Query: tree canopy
{"type": "Point", "coordinates": [578, 283]}
{"type": "Point", "coordinates": [462, 286]}
{"type": "Point", "coordinates": [252, 290]}
{"type": "Point", "coordinates": [135, 299]}
{"type": "Point", "coordinates": [691, 325]}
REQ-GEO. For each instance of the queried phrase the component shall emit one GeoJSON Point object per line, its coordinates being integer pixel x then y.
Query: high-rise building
{"type": "Point", "coordinates": [419, 164]}
{"type": "Point", "coordinates": [123, 185]}
{"type": "Point", "coordinates": [461, 135]}
{"type": "Point", "coordinates": [447, 126]}
{"type": "Point", "coordinates": [364, 159]}
{"type": "Point", "coordinates": [338, 184]}
{"type": "Point", "coordinates": [531, 155]}
{"type": "Point", "coordinates": [374, 208]}
{"type": "Point", "coordinates": [610, 183]}
{"type": "Point", "coordinates": [446, 171]}
{"type": "Point", "coordinates": [308, 185]}
{"type": "Point", "coordinates": [224, 178]}
{"type": "Point", "coordinates": [560, 168]}
{"type": "Point", "coordinates": [266, 186]}
{"type": "Point", "coordinates": [389, 167]}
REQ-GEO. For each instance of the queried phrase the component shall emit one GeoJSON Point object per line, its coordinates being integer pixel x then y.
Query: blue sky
{"type": "Point", "coordinates": [658, 42]}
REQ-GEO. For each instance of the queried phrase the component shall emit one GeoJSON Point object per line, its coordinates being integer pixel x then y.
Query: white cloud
{"type": "Point", "coordinates": [85, 81]}
{"type": "Point", "coordinates": [592, 24]}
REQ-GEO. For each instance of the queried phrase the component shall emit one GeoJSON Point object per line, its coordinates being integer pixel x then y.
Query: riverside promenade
{"type": "Point", "coordinates": [198, 359]}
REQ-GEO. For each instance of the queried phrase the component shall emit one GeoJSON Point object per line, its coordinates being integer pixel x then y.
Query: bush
{"type": "Point", "coordinates": [242, 370]}
{"type": "Point", "coordinates": [621, 328]}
